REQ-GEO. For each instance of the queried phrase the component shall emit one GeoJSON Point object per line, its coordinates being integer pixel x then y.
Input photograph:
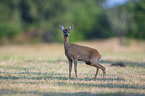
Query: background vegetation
{"type": "Point", "coordinates": [23, 21]}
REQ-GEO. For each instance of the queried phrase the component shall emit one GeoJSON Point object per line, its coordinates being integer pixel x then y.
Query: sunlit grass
{"type": "Point", "coordinates": [42, 70]}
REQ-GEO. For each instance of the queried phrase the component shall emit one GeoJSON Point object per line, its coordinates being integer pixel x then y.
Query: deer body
{"type": "Point", "coordinates": [80, 53]}
{"type": "Point", "coordinates": [76, 53]}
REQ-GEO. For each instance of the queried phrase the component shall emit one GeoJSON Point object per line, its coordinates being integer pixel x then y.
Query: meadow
{"type": "Point", "coordinates": [42, 70]}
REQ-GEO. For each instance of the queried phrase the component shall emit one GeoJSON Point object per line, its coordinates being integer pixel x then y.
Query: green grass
{"type": "Point", "coordinates": [42, 70]}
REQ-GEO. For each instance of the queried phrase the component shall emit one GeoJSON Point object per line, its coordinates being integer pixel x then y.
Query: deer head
{"type": "Point", "coordinates": [66, 31]}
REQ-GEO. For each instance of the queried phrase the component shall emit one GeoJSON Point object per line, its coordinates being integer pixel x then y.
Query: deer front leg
{"type": "Point", "coordinates": [70, 68]}
{"type": "Point", "coordinates": [75, 68]}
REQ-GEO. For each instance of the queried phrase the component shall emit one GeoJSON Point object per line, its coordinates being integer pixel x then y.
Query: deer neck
{"type": "Point", "coordinates": [66, 43]}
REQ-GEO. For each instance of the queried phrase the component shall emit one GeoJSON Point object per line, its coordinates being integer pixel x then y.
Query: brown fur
{"type": "Point", "coordinates": [76, 53]}
{"type": "Point", "coordinates": [81, 53]}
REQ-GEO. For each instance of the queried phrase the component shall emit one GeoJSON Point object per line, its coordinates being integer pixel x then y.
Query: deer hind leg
{"type": "Point", "coordinates": [95, 63]}
{"type": "Point", "coordinates": [75, 68]}
{"type": "Point", "coordinates": [91, 64]}
{"type": "Point", "coordinates": [96, 73]}
{"type": "Point", "coordinates": [103, 69]}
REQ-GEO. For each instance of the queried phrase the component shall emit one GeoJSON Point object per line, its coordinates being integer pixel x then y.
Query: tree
{"type": "Point", "coordinates": [137, 10]}
{"type": "Point", "coordinates": [120, 21]}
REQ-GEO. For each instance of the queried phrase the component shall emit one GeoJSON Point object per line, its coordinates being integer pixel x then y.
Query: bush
{"type": "Point", "coordinates": [8, 30]}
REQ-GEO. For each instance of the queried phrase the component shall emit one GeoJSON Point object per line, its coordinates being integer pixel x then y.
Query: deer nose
{"type": "Point", "coordinates": [66, 35]}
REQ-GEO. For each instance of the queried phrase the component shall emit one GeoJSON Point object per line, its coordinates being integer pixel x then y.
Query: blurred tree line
{"type": "Point", "coordinates": [23, 21]}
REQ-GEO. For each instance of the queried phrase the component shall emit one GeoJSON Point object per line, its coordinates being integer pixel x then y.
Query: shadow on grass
{"type": "Point", "coordinates": [52, 76]}
{"type": "Point", "coordinates": [127, 63]}
{"type": "Point", "coordinates": [62, 81]}
{"type": "Point", "coordinates": [28, 60]}
{"type": "Point", "coordinates": [15, 92]}
{"type": "Point", "coordinates": [38, 76]}
{"type": "Point", "coordinates": [105, 85]}
{"type": "Point", "coordinates": [101, 79]}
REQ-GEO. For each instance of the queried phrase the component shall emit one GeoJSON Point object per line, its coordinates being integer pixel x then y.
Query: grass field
{"type": "Point", "coordinates": [42, 70]}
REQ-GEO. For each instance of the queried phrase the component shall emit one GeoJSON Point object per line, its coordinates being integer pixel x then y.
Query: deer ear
{"type": "Point", "coordinates": [62, 28]}
{"type": "Point", "coordinates": [71, 27]}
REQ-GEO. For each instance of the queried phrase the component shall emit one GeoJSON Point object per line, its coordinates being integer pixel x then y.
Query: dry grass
{"type": "Point", "coordinates": [42, 70]}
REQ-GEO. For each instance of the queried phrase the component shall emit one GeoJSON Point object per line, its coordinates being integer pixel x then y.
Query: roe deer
{"type": "Point", "coordinates": [76, 53]}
